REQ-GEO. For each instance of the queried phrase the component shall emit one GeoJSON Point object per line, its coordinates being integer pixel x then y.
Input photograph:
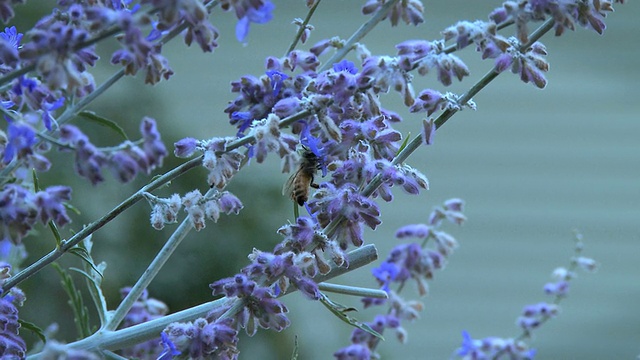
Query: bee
{"type": "Point", "coordinates": [297, 187]}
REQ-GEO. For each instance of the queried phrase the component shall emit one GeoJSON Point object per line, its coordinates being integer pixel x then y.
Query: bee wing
{"type": "Point", "coordinates": [287, 188]}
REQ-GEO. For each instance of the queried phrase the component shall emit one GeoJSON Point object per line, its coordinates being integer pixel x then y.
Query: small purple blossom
{"type": "Point", "coordinates": [165, 211]}
{"type": "Point", "coordinates": [9, 43]}
{"type": "Point", "coordinates": [466, 33]}
{"type": "Point", "coordinates": [51, 204]}
{"type": "Point", "coordinates": [353, 352]}
{"type": "Point", "coordinates": [428, 131]}
{"type": "Point", "coordinates": [138, 53]}
{"type": "Point", "coordinates": [221, 163]}
{"type": "Point", "coordinates": [493, 348]}
{"type": "Point", "coordinates": [168, 348]}
{"type": "Point", "coordinates": [534, 315]}
{"type": "Point", "coordinates": [285, 268]}
{"type": "Point", "coordinates": [270, 139]}
{"type": "Point", "coordinates": [60, 60]}
{"type": "Point", "coordinates": [152, 144]}
{"type": "Point", "coordinates": [11, 344]}
{"type": "Point", "coordinates": [330, 202]}
{"type": "Point", "coordinates": [201, 339]}
{"type": "Point", "coordinates": [21, 209]}
{"type": "Point", "coordinates": [409, 11]}
{"type": "Point", "coordinates": [185, 147]}
{"type": "Point", "coordinates": [560, 288]}
{"type": "Point", "coordinates": [258, 15]}
{"type": "Point", "coordinates": [430, 101]}
{"type": "Point", "coordinates": [20, 140]}
{"type": "Point", "coordinates": [89, 159]}
{"type": "Point", "coordinates": [262, 309]}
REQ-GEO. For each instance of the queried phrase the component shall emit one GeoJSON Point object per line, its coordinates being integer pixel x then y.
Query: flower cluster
{"type": "Point", "coordinates": [197, 206]}
{"type": "Point", "coordinates": [532, 317]}
{"type": "Point", "coordinates": [200, 339]}
{"type": "Point", "coordinates": [125, 161]}
{"type": "Point", "coordinates": [261, 308]}
{"type": "Point", "coordinates": [334, 113]}
{"type": "Point", "coordinates": [11, 344]}
{"type": "Point", "coordinates": [22, 209]}
{"type": "Point", "coordinates": [410, 261]}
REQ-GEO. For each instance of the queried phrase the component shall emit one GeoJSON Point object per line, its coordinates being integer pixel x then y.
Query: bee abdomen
{"type": "Point", "coordinates": [300, 196]}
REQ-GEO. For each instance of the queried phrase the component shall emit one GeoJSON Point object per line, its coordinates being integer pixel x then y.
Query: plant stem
{"type": "Point", "coordinates": [303, 26]}
{"type": "Point", "coordinates": [114, 340]}
{"type": "Point", "coordinates": [359, 34]}
{"type": "Point", "coordinates": [93, 227]}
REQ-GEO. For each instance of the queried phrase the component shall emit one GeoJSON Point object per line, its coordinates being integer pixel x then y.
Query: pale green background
{"type": "Point", "coordinates": [531, 165]}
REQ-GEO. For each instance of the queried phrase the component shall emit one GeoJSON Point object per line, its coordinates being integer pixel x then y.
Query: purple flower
{"type": "Point", "coordinates": [428, 131]}
{"type": "Point", "coordinates": [123, 166]}
{"type": "Point", "coordinates": [345, 66]}
{"type": "Point", "coordinates": [222, 165]}
{"type": "Point", "coordinates": [200, 339]}
{"type": "Point", "coordinates": [60, 59]}
{"type": "Point", "coordinates": [262, 309]}
{"type": "Point", "coordinates": [466, 33]}
{"type": "Point", "coordinates": [51, 204]}
{"type": "Point", "coordinates": [168, 348]}
{"type": "Point", "coordinates": [204, 33]}
{"type": "Point", "coordinates": [430, 101]}
{"type": "Point", "coordinates": [330, 202]}
{"type": "Point", "coordinates": [259, 15]}
{"type": "Point", "coordinates": [11, 344]}
{"type": "Point", "coordinates": [409, 11]}
{"type": "Point", "coordinates": [270, 139]}
{"type": "Point", "coordinates": [47, 108]}
{"type": "Point", "coordinates": [139, 53]}
{"type": "Point", "coordinates": [560, 288]}
{"type": "Point", "coordinates": [493, 348]}
{"type": "Point", "coordinates": [185, 147]}
{"type": "Point", "coordinates": [277, 80]}
{"type": "Point", "coordinates": [297, 236]}
{"type": "Point", "coordinates": [353, 352]}
{"type": "Point", "coordinates": [21, 209]}
{"type": "Point", "coordinates": [20, 139]}
{"type": "Point", "coordinates": [9, 43]}
{"type": "Point", "coordinates": [6, 9]}
{"type": "Point", "coordinates": [152, 145]}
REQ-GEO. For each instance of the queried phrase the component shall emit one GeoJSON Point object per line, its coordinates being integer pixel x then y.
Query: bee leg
{"type": "Point", "coordinates": [314, 185]}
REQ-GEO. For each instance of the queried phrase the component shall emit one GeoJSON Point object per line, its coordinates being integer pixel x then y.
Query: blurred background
{"type": "Point", "coordinates": [532, 166]}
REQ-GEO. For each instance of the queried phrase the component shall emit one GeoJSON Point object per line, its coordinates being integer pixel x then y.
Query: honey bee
{"type": "Point", "coordinates": [297, 187]}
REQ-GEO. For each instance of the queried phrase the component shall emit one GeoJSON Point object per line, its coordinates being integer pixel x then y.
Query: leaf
{"type": "Point", "coordinates": [25, 325]}
{"type": "Point", "coordinates": [36, 183]}
{"type": "Point", "coordinates": [94, 276]}
{"type": "Point", "coordinates": [339, 311]}
{"type": "Point", "coordinates": [84, 255]}
{"type": "Point", "coordinates": [90, 115]}
{"type": "Point", "coordinates": [56, 233]}
{"type": "Point", "coordinates": [404, 143]}
{"type": "Point", "coordinates": [80, 312]}
{"type": "Point", "coordinates": [72, 208]}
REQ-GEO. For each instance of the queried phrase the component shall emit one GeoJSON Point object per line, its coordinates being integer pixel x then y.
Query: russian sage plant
{"type": "Point", "coordinates": [321, 114]}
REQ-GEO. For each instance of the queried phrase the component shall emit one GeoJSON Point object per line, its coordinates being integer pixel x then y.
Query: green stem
{"type": "Point", "coordinates": [303, 26]}
{"type": "Point", "coordinates": [359, 34]}
{"type": "Point", "coordinates": [93, 227]}
{"type": "Point", "coordinates": [150, 273]}
{"type": "Point", "coordinates": [114, 340]}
